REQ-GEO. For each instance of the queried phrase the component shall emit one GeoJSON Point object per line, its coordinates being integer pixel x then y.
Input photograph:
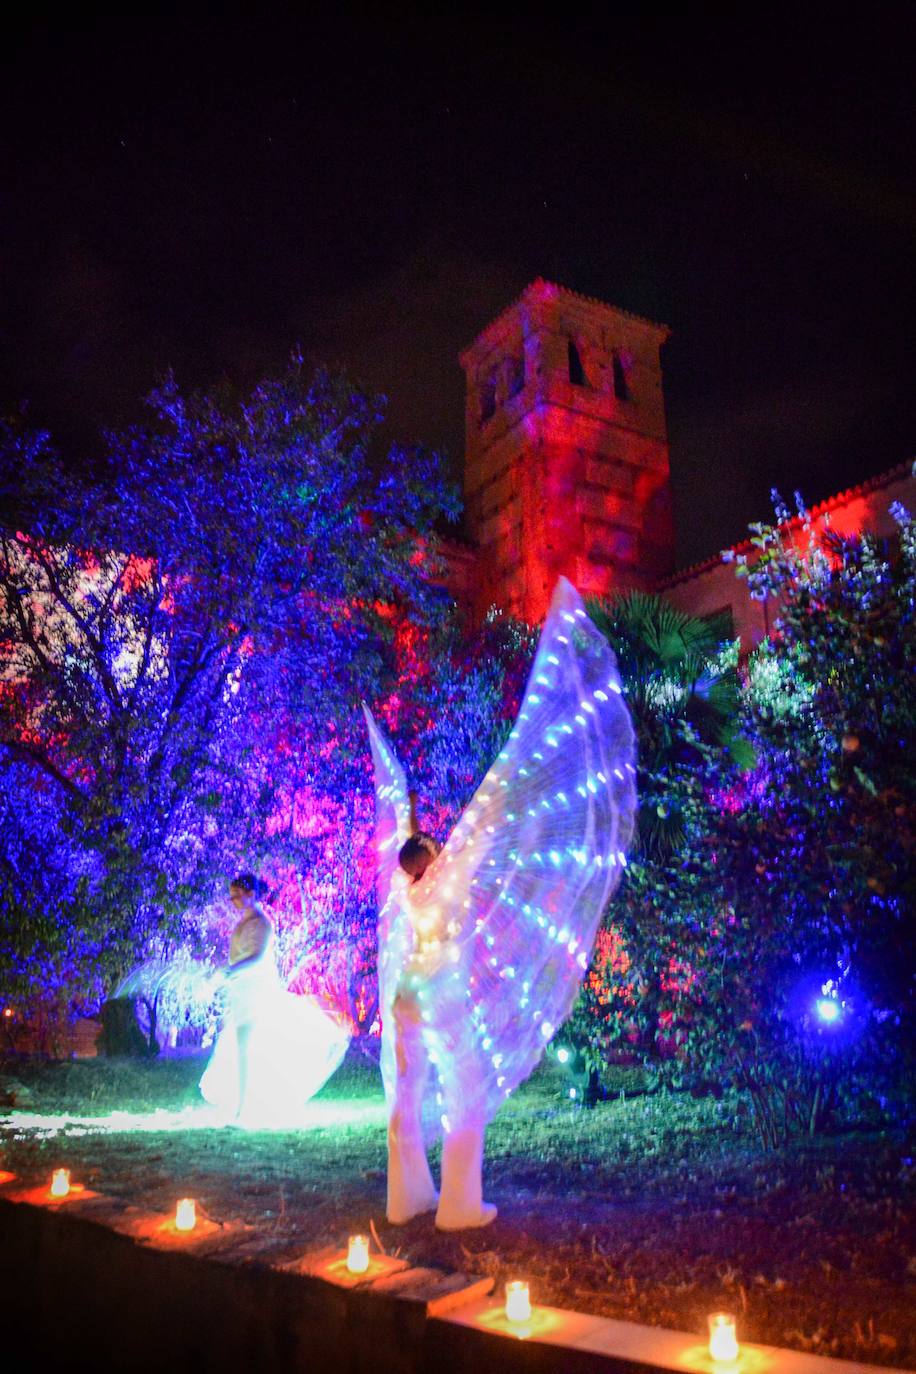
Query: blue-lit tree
{"type": "Point", "coordinates": [187, 644]}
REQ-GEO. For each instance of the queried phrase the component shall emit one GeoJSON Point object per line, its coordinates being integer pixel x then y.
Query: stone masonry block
{"type": "Point", "coordinates": [607, 505]}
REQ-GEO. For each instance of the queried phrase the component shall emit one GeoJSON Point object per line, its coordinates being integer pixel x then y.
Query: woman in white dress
{"type": "Point", "coordinates": [275, 1049]}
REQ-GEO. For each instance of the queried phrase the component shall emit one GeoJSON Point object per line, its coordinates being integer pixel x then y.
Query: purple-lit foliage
{"type": "Point", "coordinates": [187, 643]}
{"type": "Point", "coordinates": [791, 881]}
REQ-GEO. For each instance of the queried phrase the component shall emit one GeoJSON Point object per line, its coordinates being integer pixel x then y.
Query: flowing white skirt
{"type": "Point", "coordinates": [294, 1046]}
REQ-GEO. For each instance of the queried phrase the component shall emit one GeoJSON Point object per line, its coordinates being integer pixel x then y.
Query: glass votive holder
{"type": "Point", "coordinates": [723, 1337]}
{"type": "Point", "coordinates": [185, 1214]}
{"type": "Point", "coordinates": [518, 1301]}
{"type": "Point", "coordinates": [60, 1183]}
{"type": "Point", "coordinates": [358, 1254]}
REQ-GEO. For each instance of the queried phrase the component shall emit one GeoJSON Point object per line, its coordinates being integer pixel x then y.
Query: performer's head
{"type": "Point", "coordinates": [242, 890]}
{"type": "Point", "coordinates": [417, 853]}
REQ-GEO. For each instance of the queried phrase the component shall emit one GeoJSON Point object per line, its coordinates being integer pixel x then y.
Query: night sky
{"type": "Point", "coordinates": [201, 192]}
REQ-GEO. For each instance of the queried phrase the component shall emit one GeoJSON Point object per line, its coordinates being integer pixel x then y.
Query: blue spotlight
{"type": "Point", "coordinates": [828, 1009]}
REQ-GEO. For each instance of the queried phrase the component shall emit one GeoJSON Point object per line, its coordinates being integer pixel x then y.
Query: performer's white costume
{"type": "Point", "coordinates": [481, 958]}
{"type": "Point", "coordinates": [292, 1044]}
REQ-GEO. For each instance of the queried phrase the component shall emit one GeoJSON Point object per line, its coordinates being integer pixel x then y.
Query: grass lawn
{"type": "Point", "coordinates": [650, 1208]}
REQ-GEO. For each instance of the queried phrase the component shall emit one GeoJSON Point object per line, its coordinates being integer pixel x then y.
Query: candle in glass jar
{"type": "Point", "coordinates": [518, 1301]}
{"type": "Point", "coordinates": [723, 1339]}
{"type": "Point", "coordinates": [185, 1214]}
{"type": "Point", "coordinates": [358, 1254]}
{"type": "Point", "coordinates": [60, 1183]}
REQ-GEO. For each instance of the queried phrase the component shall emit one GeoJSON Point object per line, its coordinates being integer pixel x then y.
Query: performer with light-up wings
{"type": "Point", "coordinates": [482, 946]}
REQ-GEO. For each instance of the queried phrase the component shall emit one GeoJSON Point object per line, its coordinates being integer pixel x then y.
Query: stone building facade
{"type": "Point", "coordinates": [566, 459]}
{"type": "Point", "coordinates": [566, 467]}
{"type": "Point", "coordinates": [711, 587]}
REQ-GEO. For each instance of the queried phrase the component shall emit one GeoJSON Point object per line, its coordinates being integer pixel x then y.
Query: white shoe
{"type": "Point", "coordinates": [488, 1212]}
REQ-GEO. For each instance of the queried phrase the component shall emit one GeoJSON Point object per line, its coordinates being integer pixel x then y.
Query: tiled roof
{"type": "Point", "coordinates": [840, 498]}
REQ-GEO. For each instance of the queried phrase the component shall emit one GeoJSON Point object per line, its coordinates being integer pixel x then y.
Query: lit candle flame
{"type": "Point", "coordinates": [723, 1340]}
{"type": "Point", "coordinates": [518, 1301]}
{"type": "Point", "coordinates": [60, 1183]}
{"type": "Point", "coordinates": [358, 1254]}
{"type": "Point", "coordinates": [185, 1214]}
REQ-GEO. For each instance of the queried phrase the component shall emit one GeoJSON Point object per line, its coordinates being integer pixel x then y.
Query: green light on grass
{"type": "Point", "coordinates": [313, 1116]}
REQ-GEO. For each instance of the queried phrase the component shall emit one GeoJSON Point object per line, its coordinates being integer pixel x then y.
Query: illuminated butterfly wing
{"type": "Point", "coordinates": [508, 912]}
{"type": "Point", "coordinates": [395, 932]}
{"type": "Point", "coordinates": [392, 807]}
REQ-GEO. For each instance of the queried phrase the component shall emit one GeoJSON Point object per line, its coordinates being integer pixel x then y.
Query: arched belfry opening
{"type": "Point", "coordinates": [574, 362]}
{"type": "Point", "coordinates": [487, 399]}
{"type": "Point", "coordinates": [560, 476]}
{"type": "Point", "coordinates": [621, 389]}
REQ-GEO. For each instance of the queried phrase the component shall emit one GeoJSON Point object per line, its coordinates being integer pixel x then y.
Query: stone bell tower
{"type": "Point", "coordinates": [566, 460]}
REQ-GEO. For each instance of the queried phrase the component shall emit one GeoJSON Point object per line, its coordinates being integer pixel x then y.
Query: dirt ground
{"type": "Point", "coordinates": [649, 1208]}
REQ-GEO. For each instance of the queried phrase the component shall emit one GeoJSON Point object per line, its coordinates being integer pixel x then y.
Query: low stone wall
{"type": "Point", "coordinates": [77, 1293]}
{"type": "Point", "coordinates": [77, 1296]}
{"type": "Point", "coordinates": [62, 1040]}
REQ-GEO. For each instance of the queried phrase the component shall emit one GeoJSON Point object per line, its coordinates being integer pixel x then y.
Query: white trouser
{"type": "Point", "coordinates": [410, 1184]}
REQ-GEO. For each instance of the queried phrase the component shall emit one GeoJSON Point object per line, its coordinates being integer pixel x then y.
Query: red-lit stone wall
{"type": "Point", "coordinates": [713, 587]}
{"type": "Point", "coordinates": [566, 468]}
{"type": "Point", "coordinates": [566, 464]}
